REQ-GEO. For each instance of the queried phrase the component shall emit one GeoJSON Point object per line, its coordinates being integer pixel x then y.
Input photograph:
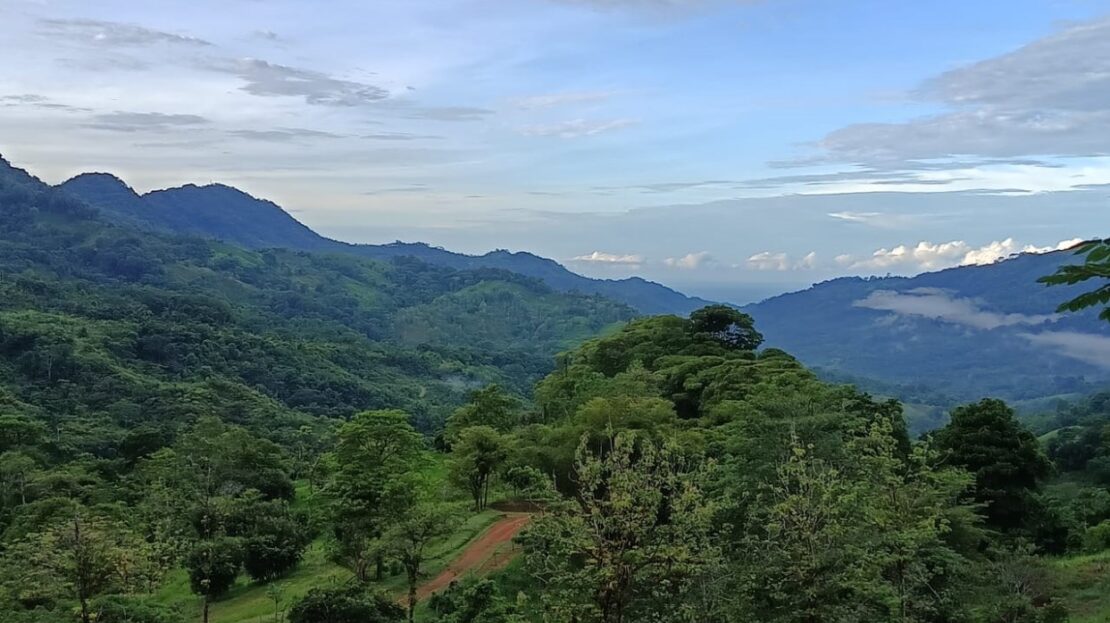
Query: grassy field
{"type": "Point", "coordinates": [1084, 584]}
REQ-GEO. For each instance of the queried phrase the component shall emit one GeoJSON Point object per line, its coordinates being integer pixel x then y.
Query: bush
{"type": "Point", "coordinates": [1097, 538]}
{"type": "Point", "coordinates": [345, 604]}
{"type": "Point", "coordinates": [119, 609]}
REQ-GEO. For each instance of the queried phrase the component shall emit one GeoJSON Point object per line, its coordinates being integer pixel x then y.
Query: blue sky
{"type": "Point", "coordinates": [724, 147]}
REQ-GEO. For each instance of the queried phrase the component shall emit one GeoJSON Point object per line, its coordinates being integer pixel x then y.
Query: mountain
{"type": "Point", "coordinates": [228, 214]}
{"type": "Point", "coordinates": [104, 325]}
{"type": "Point", "coordinates": [948, 336]}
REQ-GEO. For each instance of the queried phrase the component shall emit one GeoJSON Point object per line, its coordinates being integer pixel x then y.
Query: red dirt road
{"type": "Point", "coordinates": [479, 555]}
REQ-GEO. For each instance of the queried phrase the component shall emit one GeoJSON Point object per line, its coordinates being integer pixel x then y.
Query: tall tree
{"type": "Point", "coordinates": [986, 439]}
{"type": "Point", "coordinates": [375, 460]}
{"type": "Point", "coordinates": [476, 456]}
{"type": "Point", "coordinates": [490, 406]}
{"type": "Point", "coordinates": [409, 539]}
{"type": "Point", "coordinates": [726, 325]}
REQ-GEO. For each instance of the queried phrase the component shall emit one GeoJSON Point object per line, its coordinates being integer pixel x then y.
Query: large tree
{"type": "Point", "coordinates": [374, 462]}
{"type": "Point", "coordinates": [986, 439]}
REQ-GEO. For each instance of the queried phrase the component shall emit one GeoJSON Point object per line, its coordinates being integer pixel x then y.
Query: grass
{"type": "Point", "coordinates": [1083, 583]}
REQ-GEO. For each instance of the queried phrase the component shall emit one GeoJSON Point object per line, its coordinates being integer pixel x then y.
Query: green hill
{"type": "Point", "coordinates": [105, 323]}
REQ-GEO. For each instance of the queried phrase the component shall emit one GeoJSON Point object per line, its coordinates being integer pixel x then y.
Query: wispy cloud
{"type": "Point", "coordinates": [577, 128]}
{"type": "Point", "coordinates": [110, 34]}
{"type": "Point", "coordinates": [267, 79]}
{"type": "Point", "coordinates": [941, 305]}
{"type": "Point", "coordinates": [283, 135]}
{"type": "Point", "coordinates": [551, 100]}
{"type": "Point", "coordinates": [1091, 348]}
{"type": "Point", "coordinates": [144, 121]}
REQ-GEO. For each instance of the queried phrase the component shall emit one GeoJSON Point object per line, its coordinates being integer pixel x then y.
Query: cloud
{"type": "Point", "coordinates": [31, 100]}
{"type": "Point", "coordinates": [691, 261]}
{"type": "Point", "coordinates": [448, 113]}
{"type": "Point", "coordinates": [551, 100]}
{"type": "Point", "coordinates": [267, 79]}
{"type": "Point", "coordinates": [282, 135]}
{"type": "Point", "coordinates": [144, 121]}
{"type": "Point", "coordinates": [881, 220]}
{"type": "Point", "coordinates": [112, 34]}
{"type": "Point", "coordinates": [1093, 349]}
{"type": "Point", "coordinates": [1047, 97]}
{"type": "Point", "coordinates": [939, 304]}
{"type": "Point", "coordinates": [930, 256]}
{"type": "Point", "coordinates": [600, 257]}
{"type": "Point", "coordinates": [768, 260]}
{"type": "Point", "coordinates": [577, 128]}
{"type": "Point", "coordinates": [398, 136]}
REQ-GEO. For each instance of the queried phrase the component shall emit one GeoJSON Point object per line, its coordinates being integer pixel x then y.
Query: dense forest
{"type": "Point", "coordinates": [193, 431]}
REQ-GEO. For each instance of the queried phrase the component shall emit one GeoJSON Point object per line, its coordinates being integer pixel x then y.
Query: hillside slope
{"type": "Point", "coordinates": [107, 325]}
{"type": "Point", "coordinates": [953, 335]}
{"type": "Point", "coordinates": [228, 214]}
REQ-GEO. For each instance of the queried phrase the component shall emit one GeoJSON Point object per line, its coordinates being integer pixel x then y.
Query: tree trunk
{"type": "Point", "coordinates": [412, 596]}
{"type": "Point", "coordinates": [204, 609]}
{"type": "Point", "coordinates": [379, 567]}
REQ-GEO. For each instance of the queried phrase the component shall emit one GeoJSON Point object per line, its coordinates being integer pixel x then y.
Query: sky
{"type": "Point", "coordinates": [729, 148]}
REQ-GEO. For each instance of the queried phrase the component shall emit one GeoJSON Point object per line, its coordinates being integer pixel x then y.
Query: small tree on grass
{"type": "Point", "coordinates": [409, 541]}
{"type": "Point", "coordinates": [477, 455]}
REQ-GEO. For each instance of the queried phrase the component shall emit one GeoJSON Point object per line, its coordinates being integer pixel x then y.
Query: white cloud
{"type": "Point", "coordinates": [690, 261]}
{"type": "Point", "coordinates": [769, 260]}
{"type": "Point", "coordinates": [600, 257]}
{"type": "Point", "coordinates": [931, 256]}
{"type": "Point", "coordinates": [576, 128]}
{"type": "Point", "coordinates": [1093, 349]}
{"type": "Point", "coordinates": [941, 305]}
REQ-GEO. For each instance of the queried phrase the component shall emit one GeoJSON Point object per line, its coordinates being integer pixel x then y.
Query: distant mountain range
{"type": "Point", "coordinates": [949, 336]}
{"type": "Point", "coordinates": [229, 214]}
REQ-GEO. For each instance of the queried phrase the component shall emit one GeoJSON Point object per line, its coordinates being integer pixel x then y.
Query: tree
{"type": "Point", "coordinates": [213, 564]}
{"type": "Point", "coordinates": [476, 456]}
{"type": "Point", "coordinates": [84, 556]}
{"type": "Point", "coordinates": [17, 469]}
{"type": "Point", "coordinates": [1096, 266]}
{"type": "Point", "coordinates": [870, 540]}
{"type": "Point", "coordinates": [986, 439]}
{"type": "Point", "coordinates": [273, 538]}
{"type": "Point", "coordinates": [727, 326]}
{"type": "Point", "coordinates": [409, 540]}
{"type": "Point", "coordinates": [374, 462]}
{"type": "Point", "coordinates": [635, 543]}
{"type": "Point", "coordinates": [490, 406]}
{"type": "Point", "coordinates": [345, 604]}
{"type": "Point", "coordinates": [472, 600]}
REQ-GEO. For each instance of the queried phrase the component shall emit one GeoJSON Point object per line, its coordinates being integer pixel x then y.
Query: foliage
{"type": "Point", "coordinates": [986, 439]}
{"type": "Point", "coordinates": [1096, 265]}
{"type": "Point", "coordinates": [634, 545]}
{"type": "Point", "coordinates": [478, 453]}
{"type": "Point", "coordinates": [345, 604]}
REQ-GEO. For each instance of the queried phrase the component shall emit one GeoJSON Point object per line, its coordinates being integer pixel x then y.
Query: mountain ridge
{"type": "Point", "coordinates": [230, 214]}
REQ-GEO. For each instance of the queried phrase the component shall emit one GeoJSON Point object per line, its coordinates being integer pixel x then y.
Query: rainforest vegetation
{"type": "Point", "coordinates": [193, 431]}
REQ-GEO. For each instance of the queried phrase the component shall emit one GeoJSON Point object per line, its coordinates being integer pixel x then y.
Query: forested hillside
{"type": "Point", "coordinates": [946, 337]}
{"type": "Point", "coordinates": [228, 214]}
{"type": "Point", "coordinates": [107, 325]}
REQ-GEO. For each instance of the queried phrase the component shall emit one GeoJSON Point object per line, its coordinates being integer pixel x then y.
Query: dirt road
{"type": "Point", "coordinates": [482, 554]}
